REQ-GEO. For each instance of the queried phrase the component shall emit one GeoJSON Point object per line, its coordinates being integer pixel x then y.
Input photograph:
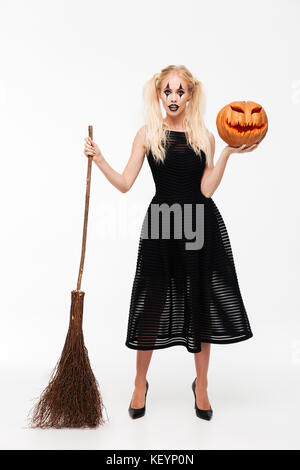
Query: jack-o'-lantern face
{"type": "Point", "coordinates": [242, 122]}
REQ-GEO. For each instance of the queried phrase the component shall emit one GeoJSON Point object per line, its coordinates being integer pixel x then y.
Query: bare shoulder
{"type": "Point", "coordinates": [212, 143]}
{"type": "Point", "coordinates": [212, 139]}
{"type": "Point", "coordinates": [141, 136]}
{"type": "Point", "coordinates": [139, 145]}
{"type": "Point", "coordinates": [210, 165]}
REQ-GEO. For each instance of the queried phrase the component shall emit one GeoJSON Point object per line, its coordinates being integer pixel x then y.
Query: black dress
{"type": "Point", "coordinates": [184, 296]}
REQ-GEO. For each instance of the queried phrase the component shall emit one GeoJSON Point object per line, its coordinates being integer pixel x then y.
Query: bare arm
{"type": "Point", "coordinates": [212, 176]}
{"type": "Point", "coordinates": [122, 181]}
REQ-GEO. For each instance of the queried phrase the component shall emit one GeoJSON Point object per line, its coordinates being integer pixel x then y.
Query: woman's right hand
{"type": "Point", "coordinates": [92, 149]}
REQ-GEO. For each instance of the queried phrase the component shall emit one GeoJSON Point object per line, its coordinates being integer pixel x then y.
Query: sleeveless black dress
{"type": "Point", "coordinates": [184, 296]}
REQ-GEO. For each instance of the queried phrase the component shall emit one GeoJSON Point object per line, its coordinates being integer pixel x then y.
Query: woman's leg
{"type": "Point", "coordinates": [201, 364]}
{"type": "Point", "coordinates": [142, 363]}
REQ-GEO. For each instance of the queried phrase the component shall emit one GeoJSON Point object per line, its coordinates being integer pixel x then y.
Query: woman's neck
{"type": "Point", "coordinates": [175, 125]}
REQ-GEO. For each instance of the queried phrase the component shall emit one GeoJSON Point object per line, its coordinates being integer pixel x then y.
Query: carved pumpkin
{"type": "Point", "coordinates": [242, 122]}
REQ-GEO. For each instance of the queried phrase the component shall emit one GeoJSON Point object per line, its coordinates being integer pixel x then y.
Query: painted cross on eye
{"type": "Point", "coordinates": [180, 90]}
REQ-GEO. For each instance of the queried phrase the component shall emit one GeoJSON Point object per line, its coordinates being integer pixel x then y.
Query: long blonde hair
{"type": "Point", "coordinates": [196, 132]}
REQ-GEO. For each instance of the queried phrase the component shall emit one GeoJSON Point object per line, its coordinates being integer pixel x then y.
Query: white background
{"type": "Point", "coordinates": [68, 64]}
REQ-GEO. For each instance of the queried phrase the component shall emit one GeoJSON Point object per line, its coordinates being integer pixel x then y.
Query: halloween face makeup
{"type": "Point", "coordinates": [174, 95]}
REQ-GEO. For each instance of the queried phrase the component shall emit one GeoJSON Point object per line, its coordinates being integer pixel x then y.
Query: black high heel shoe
{"type": "Point", "coordinates": [138, 412]}
{"type": "Point", "coordinates": [204, 414]}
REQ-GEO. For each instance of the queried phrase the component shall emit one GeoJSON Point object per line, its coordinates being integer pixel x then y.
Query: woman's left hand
{"type": "Point", "coordinates": [242, 149]}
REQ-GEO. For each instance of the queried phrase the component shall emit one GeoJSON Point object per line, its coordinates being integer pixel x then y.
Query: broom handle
{"type": "Point", "coordinates": [86, 211]}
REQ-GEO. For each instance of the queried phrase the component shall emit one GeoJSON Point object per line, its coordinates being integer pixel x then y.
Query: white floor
{"type": "Point", "coordinates": [254, 395]}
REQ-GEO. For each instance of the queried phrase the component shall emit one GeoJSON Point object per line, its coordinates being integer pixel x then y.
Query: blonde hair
{"type": "Point", "coordinates": [196, 132]}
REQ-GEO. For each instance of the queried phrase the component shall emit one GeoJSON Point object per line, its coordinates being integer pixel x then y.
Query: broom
{"type": "Point", "coordinates": [72, 398]}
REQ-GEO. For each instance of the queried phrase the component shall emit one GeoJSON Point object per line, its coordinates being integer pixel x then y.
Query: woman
{"type": "Point", "coordinates": [180, 296]}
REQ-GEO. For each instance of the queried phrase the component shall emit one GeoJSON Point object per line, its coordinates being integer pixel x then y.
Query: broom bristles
{"type": "Point", "coordinates": [72, 398]}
